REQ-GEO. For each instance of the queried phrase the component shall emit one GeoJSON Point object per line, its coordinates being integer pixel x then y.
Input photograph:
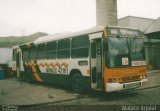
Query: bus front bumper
{"type": "Point", "coordinates": [109, 87]}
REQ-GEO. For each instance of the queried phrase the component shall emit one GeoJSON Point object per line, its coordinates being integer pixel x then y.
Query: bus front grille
{"type": "Point", "coordinates": [130, 78]}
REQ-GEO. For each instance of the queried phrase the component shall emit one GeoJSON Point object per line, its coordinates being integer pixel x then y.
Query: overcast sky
{"type": "Point", "coordinates": [24, 17]}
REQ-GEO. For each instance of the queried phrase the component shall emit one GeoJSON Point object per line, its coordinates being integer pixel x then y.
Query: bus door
{"type": "Point", "coordinates": [18, 63]}
{"type": "Point", "coordinates": [96, 65]}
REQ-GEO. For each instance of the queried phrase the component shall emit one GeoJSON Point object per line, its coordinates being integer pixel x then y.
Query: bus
{"type": "Point", "coordinates": [110, 58]}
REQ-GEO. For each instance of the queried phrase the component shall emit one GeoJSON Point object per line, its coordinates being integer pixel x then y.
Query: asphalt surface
{"type": "Point", "coordinates": [43, 97]}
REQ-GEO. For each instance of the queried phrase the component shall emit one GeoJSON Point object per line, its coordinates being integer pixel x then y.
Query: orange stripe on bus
{"type": "Point", "coordinates": [36, 74]}
{"type": "Point", "coordinates": [66, 65]}
{"type": "Point", "coordinates": [49, 64]}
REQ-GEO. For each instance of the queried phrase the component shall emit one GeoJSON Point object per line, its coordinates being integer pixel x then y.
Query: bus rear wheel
{"type": "Point", "coordinates": [77, 83]}
{"type": "Point", "coordinates": [29, 78]}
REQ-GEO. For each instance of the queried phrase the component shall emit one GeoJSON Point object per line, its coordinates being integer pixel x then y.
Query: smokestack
{"type": "Point", "coordinates": [106, 12]}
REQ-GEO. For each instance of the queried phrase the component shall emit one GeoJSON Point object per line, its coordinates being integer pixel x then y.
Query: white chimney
{"type": "Point", "coordinates": [106, 12]}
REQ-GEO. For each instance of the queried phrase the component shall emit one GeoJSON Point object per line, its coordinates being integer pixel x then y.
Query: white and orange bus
{"type": "Point", "coordinates": [103, 58]}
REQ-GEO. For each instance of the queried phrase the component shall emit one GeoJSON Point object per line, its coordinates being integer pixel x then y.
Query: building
{"type": "Point", "coordinates": [5, 62]}
{"type": "Point", "coordinates": [135, 22]}
{"type": "Point", "coordinates": [6, 56]}
{"type": "Point", "coordinates": [151, 28]}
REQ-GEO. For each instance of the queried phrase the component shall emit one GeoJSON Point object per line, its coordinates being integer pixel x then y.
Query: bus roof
{"type": "Point", "coordinates": [22, 45]}
{"type": "Point", "coordinates": [15, 47]}
{"type": "Point", "coordinates": [123, 27]}
{"type": "Point", "coordinates": [67, 35]}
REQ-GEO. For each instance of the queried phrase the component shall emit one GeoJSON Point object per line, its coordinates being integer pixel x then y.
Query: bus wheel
{"type": "Point", "coordinates": [29, 78]}
{"type": "Point", "coordinates": [77, 83]}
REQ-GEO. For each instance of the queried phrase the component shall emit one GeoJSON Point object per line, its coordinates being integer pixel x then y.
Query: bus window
{"type": "Point", "coordinates": [118, 50]}
{"type": "Point", "coordinates": [137, 47]}
{"type": "Point", "coordinates": [41, 51]}
{"type": "Point", "coordinates": [64, 48]}
{"type": "Point", "coordinates": [51, 50]}
{"type": "Point", "coordinates": [14, 54]}
{"type": "Point", "coordinates": [33, 53]}
{"type": "Point", "coordinates": [80, 47]}
{"type": "Point", "coordinates": [124, 51]}
{"type": "Point", "coordinates": [25, 54]}
{"type": "Point", "coordinates": [93, 48]}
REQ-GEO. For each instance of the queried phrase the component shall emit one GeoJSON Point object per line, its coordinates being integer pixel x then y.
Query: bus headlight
{"type": "Point", "coordinates": [144, 76]}
{"type": "Point", "coordinates": [113, 80]}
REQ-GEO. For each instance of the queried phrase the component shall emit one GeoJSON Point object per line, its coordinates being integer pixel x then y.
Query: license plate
{"type": "Point", "coordinates": [131, 85]}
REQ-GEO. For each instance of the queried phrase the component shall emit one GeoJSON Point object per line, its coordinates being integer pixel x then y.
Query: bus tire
{"type": "Point", "coordinates": [77, 83]}
{"type": "Point", "coordinates": [29, 77]}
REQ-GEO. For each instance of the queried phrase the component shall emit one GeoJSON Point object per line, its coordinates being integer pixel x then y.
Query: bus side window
{"type": "Point", "coordinates": [14, 55]}
{"type": "Point", "coordinates": [93, 49]}
{"type": "Point", "coordinates": [64, 48]}
{"type": "Point", "coordinates": [51, 50]}
{"type": "Point", "coordinates": [41, 51]}
{"type": "Point", "coordinates": [33, 53]}
{"type": "Point", "coordinates": [80, 46]}
{"type": "Point", "coordinates": [25, 54]}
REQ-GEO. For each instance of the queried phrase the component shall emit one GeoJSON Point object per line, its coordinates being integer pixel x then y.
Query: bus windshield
{"type": "Point", "coordinates": [125, 52]}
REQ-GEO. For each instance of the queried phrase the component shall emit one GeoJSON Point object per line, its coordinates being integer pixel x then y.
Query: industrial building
{"type": "Point", "coordinates": [5, 62]}
{"type": "Point", "coordinates": [151, 28]}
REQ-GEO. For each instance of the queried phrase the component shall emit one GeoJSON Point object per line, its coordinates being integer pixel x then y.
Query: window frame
{"type": "Point", "coordinates": [43, 52]}
{"type": "Point", "coordinates": [35, 51]}
{"type": "Point", "coordinates": [65, 48]}
{"type": "Point", "coordinates": [14, 54]}
{"type": "Point", "coordinates": [80, 47]}
{"type": "Point", "coordinates": [27, 56]}
{"type": "Point", "coordinates": [52, 50]}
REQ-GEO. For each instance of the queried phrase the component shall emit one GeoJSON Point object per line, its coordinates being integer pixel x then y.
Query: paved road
{"type": "Point", "coordinates": [13, 92]}
{"type": "Point", "coordinates": [147, 95]}
{"type": "Point", "coordinates": [146, 98]}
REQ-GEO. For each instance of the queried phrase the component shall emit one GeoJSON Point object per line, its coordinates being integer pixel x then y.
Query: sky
{"type": "Point", "coordinates": [24, 17]}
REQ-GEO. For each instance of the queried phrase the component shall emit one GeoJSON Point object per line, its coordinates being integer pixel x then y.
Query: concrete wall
{"type": "Point", "coordinates": [6, 56]}
{"type": "Point", "coordinates": [106, 12]}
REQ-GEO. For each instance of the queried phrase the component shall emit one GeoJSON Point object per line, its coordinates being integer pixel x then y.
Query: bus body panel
{"type": "Point", "coordinates": [95, 71]}
{"type": "Point", "coordinates": [116, 78]}
{"type": "Point", "coordinates": [56, 71]}
{"type": "Point", "coordinates": [110, 87]}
